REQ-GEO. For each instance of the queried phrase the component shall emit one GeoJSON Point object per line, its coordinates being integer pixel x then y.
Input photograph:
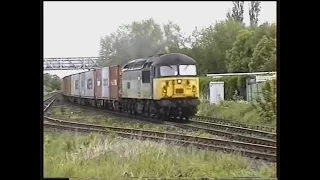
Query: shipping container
{"type": "Point", "coordinates": [75, 85]}
{"type": "Point", "coordinates": [115, 82]}
{"type": "Point", "coordinates": [102, 90]}
{"type": "Point", "coordinates": [82, 84]}
{"type": "Point", "coordinates": [67, 85]}
{"type": "Point", "coordinates": [89, 84]}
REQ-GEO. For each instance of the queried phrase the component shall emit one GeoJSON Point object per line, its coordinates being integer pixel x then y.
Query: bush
{"type": "Point", "coordinates": [266, 105]}
{"type": "Point", "coordinates": [47, 89]}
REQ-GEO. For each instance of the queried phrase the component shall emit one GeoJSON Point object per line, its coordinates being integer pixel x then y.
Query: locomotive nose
{"type": "Point", "coordinates": [180, 88]}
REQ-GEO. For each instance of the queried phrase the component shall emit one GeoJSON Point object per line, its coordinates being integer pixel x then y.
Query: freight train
{"type": "Point", "coordinates": [161, 86]}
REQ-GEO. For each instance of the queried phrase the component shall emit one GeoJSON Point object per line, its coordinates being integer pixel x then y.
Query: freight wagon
{"type": "Point", "coordinates": [96, 87]}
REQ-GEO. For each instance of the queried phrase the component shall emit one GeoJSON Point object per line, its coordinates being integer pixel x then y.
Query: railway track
{"type": "Point", "coordinates": [241, 137]}
{"type": "Point", "coordinates": [48, 101]}
{"type": "Point", "coordinates": [234, 123]}
{"type": "Point", "coordinates": [237, 129]}
{"type": "Point", "coordinates": [248, 149]}
{"type": "Point", "coordinates": [49, 96]}
{"type": "Point", "coordinates": [231, 132]}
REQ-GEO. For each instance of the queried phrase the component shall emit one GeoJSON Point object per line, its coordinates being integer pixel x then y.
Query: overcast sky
{"type": "Point", "coordinates": [74, 29]}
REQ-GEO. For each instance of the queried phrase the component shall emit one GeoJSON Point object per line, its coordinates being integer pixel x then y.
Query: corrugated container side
{"type": "Point", "coordinates": [105, 83]}
{"type": "Point", "coordinates": [82, 84]}
{"type": "Point", "coordinates": [115, 82]}
{"type": "Point", "coordinates": [97, 84]}
{"type": "Point", "coordinates": [102, 90]}
{"type": "Point", "coordinates": [72, 85]}
{"type": "Point", "coordinates": [75, 91]}
{"type": "Point", "coordinates": [77, 84]}
{"type": "Point", "coordinates": [67, 86]}
{"type": "Point", "coordinates": [89, 84]}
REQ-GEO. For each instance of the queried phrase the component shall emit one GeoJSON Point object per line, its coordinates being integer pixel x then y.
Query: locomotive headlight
{"type": "Point", "coordinates": [193, 89]}
{"type": "Point", "coordinates": [164, 90]}
{"type": "Point", "coordinates": [179, 81]}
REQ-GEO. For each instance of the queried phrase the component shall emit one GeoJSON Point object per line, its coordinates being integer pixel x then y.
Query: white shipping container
{"type": "Point", "coordinates": [75, 85]}
{"type": "Point", "coordinates": [89, 84]}
{"type": "Point", "coordinates": [82, 84]}
{"type": "Point", "coordinates": [105, 82]}
{"type": "Point", "coordinates": [216, 92]}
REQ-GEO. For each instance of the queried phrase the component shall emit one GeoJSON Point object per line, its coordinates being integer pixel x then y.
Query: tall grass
{"type": "Point", "coordinates": [96, 156]}
{"type": "Point", "coordinates": [233, 110]}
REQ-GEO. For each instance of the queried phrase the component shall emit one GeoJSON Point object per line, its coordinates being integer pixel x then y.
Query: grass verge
{"type": "Point", "coordinates": [97, 156]}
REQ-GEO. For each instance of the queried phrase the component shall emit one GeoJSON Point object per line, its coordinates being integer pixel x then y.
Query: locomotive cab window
{"type": "Point", "coordinates": [178, 70]}
{"type": "Point", "coordinates": [169, 70]}
{"type": "Point", "coordinates": [187, 70]}
{"type": "Point", "coordinates": [146, 76]}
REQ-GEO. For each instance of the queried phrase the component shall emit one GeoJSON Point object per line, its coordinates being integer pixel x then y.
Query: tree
{"type": "Point", "coordinates": [263, 58]}
{"type": "Point", "coordinates": [209, 45]}
{"type": "Point", "coordinates": [51, 82]}
{"type": "Point", "coordinates": [56, 82]}
{"type": "Point", "coordinates": [137, 40]}
{"type": "Point", "coordinates": [254, 9]}
{"type": "Point", "coordinates": [265, 29]}
{"type": "Point", "coordinates": [240, 55]}
{"type": "Point", "coordinates": [237, 11]}
{"type": "Point", "coordinates": [47, 80]}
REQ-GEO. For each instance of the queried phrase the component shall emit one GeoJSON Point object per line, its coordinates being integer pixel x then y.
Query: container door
{"type": "Point", "coordinates": [114, 82]}
{"type": "Point", "coordinates": [98, 84]}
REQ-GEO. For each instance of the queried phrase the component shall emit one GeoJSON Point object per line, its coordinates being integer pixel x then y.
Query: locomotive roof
{"type": "Point", "coordinates": [173, 58]}
{"type": "Point", "coordinates": [165, 59]}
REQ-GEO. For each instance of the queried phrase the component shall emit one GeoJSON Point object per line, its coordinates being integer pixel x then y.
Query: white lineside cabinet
{"type": "Point", "coordinates": [216, 92]}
